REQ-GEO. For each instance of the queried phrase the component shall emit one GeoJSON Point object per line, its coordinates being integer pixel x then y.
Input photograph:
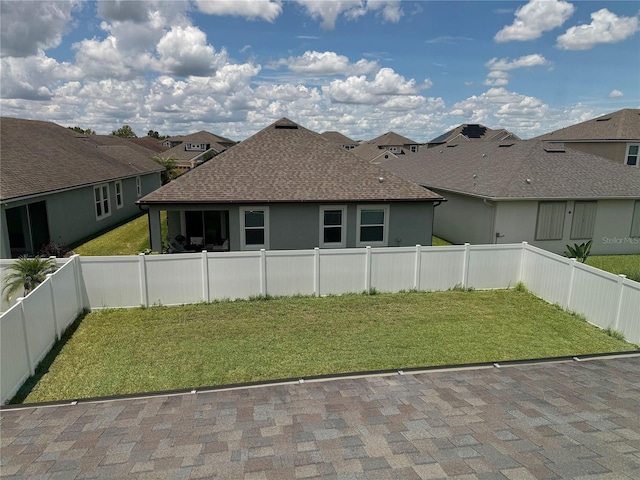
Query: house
{"type": "Point", "coordinates": [287, 187]}
{"type": "Point", "coordinates": [529, 190]}
{"type": "Point", "coordinates": [395, 143]}
{"type": "Point", "coordinates": [471, 132]}
{"type": "Point", "coordinates": [189, 151]}
{"type": "Point", "coordinates": [150, 143]}
{"type": "Point", "coordinates": [342, 140]}
{"type": "Point", "coordinates": [373, 153]}
{"type": "Point", "coordinates": [61, 186]}
{"type": "Point", "coordinates": [615, 136]}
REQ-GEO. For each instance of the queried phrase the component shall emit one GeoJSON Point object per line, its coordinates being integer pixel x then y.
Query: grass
{"type": "Point", "coordinates": [626, 264]}
{"type": "Point", "coordinates": [439, 242]}
{"type": "Point", "coordinates": [130, 238]}
{"type": "Point", "coordinates": [160, 348]}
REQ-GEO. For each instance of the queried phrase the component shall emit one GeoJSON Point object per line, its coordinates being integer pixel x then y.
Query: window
{"type": "Point", "coordinates": [631, 157]}
{"type": "Point", "coordinates": [103, 205]}
{"type": "Point", "coordinates": [584, 218]}
{"type": "Point", "coordinates": [119, 201]}
{"type": "Point", "coordinates": [635, 221]}
{"type": "Point", "coordinates": [373, 222]}
{"type": "Point", "coordinates": [333, 226]}
{"type": "Point", "coordinates": [550, 220]}
{"type": "Point", "coordinates": [138, 187]}
{"type": "Point", "coordinates": [414, 148]}
{"type": "Point", "coordinates": [254, 225]}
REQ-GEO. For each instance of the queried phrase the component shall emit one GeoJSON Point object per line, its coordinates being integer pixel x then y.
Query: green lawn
{"type": "Point", "coordinates": [439, 242]}
{"type": "Point", "coordinates": [128, 239]}
{"type": "Point", "coordinates": [140, 350]}
{"type": "Point", "coordinates": [627, 264]}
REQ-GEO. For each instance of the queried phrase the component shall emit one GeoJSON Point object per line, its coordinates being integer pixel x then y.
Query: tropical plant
{"type": "Point", "coordinates": [579, 252]}
{"type": "Point", "coordinates": [26, 273]}
{"type": "Point", "coordinates": [170, 167]}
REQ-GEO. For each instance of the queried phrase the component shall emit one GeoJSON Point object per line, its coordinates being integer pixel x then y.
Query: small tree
{"type": "Point", "coordinates": [153, 134]}
{"type": "Point", "coordinates": [124, 131]}
{"type": "Point", "coordinates": [170, 167]}
{"type": "Point", "coordinates": [26, 273]}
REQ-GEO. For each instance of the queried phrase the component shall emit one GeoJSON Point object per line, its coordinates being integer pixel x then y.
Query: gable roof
{"type": "Point", "coordinates": [526, 169]}
{"type": "Point", "coordinates": [372, 153]}
{"type": "Point", "coordinates": [392, 138]}
{"type": "Point", "coordinates": [621, 125]}
{"type": "Point", "coordinates": [472, 132]}
{"type": "Point", "coordinates": [40, 157]}
{"type": "Point", "coordinates": [337, 137]}
{"type": "Point", "coordinates": [202, 136]}
{"type": "Point", "coordinates": [285, 162]}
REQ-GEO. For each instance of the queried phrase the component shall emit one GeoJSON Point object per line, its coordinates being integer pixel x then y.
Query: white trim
{"type": "Point", "coordinates": [243, 244]}
{"type": "Point", "coordinates": [637, 155]}
{"type": "Point", "coordinates": [343, 232]}
{"type": "Point", "coordinates": [119, 194]}
{"type": "Point", "coordinates": [101, 203]}
{"type": "Point", "coordinates": [385, 226]}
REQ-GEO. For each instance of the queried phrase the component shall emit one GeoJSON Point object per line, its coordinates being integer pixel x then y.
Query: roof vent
{"type": "Point", "coordinates": [555, 148]}
{"type": "Point", "coordinates": [603, 119]}
{"type": "Point", "coordinates": [451, 146]}
{"type": "Point", "coordinates": [506, 145]}
{"type": "Point", "coordinates": [286, 124]}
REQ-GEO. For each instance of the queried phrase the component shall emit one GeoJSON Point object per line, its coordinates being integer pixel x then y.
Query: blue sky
{"type": "Point", "coordinates": [359, 67]}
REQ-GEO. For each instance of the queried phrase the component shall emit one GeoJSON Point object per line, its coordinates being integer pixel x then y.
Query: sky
{"type": "Point", "coordinates": [360, 67]}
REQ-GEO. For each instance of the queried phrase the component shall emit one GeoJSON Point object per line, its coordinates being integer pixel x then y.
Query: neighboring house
{"type": "Point", "coordinates": [342, 140]}
{"type": "Point", "coordinates": [396, 143]}
{"type": "Point", "coordinates": [615, 136]}
{"type": "Point", "coordinates": [61, 186]}
{"type": "Point", "coordinates": [471, 132]}
{"type": "Point", "coordinates": [189, 151]}
{"type": "Point", "coordinates": [149, 142]}
{"type": "Point", "coordinates": [373, 154]}
{"type": "Point", "coordinates": [287, 187]}
{"type": "Point", "coordinates": [528, 190]}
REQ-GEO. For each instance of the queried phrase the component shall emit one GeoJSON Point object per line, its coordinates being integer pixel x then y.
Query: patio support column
{"type": "Point", "coordinates": [154, 229]}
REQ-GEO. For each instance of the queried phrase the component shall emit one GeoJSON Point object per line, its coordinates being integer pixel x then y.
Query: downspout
{"type": "Point", "coordinates": [433, 216]}
{"type": "Point", "coordinates": [148, 221]}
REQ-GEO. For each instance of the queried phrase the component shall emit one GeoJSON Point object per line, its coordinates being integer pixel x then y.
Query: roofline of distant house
{"type": "Point", "coordinates": [537, 199]}
{"type": "Point", "coordinates": [589, 140]}
{"type": "Point", "coordinates": [5, 201]}
{"type": "Point", "coordinates": [254, 201]}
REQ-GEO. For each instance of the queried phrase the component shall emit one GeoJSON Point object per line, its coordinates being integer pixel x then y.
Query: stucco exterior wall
{"type": "Point", "coordinates": [612, 150]}
{"type": "Point", "coordinates": [463, 219]}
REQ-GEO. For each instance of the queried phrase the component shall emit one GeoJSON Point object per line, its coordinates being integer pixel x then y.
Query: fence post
{"type": "Point", "coordinates": [367, 270]}
{"type": "Point", "coordinates": [77, 266]}
{"type": "Point", "coordinates": [621, 278]}
{"type": "Point", "coordinates": [144, 294]}
{"type": "Point", "coordinates": [416, 277]}
{"type": "Point", "coordinates": [205, 278]}
{"type": "Point", "coordinates": [27, 350]}
{"type": "Point", "coordinates": [465, 265]}
{"type": "Point", "coordinates": [316, 271]}
{"type": "Point", "coordinates": [522, 257]}
{"type": "Point", "coordinates": [53, 306]}
{"type": "Point", "coordinates": [263, 272]}
{"type": "Point", "coordinates": [572, 265]}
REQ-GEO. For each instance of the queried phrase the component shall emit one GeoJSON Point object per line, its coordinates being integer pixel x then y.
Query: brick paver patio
{"type": "Point", "coordinates": [578, 420]}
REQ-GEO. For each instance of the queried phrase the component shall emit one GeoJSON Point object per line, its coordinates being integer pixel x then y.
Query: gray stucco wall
{"type": "Point", "coordinates": [463, 219]}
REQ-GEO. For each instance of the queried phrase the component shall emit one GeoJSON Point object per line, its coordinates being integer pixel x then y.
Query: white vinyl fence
{"type": "Point", "coordinates": [30, 328]}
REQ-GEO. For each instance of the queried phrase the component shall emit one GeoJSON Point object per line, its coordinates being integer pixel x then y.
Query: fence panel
{"type": "Point", "coordinates": [234, 275]}
{"type": "Point", "coordinates": [110, 281]}
{"type": "Point", "coordinates": [595, 294]}
{"type": "Point", "coordinates": [342, 271]}
{"type": "Point", "coordinates": [65, 295]}
{"type": "Point", "coordinates": [173, 279]}
{"type": "Point", "coordinates": [41, 330]}
{"type": "Point", "coordinates": [629, 318]}
{"type": "Point", "coordinates": [13, 354]}
{"type": "Point", "coordinates": [441, 267]}
{"type": "Point", "coordinates": [393, 269]}
{"type": "Point", "coordinates": [493, 266]}
{"type": "Point", "coordinates": [547, 275]}
{"type": "Point", "coordinates": [290, 272]}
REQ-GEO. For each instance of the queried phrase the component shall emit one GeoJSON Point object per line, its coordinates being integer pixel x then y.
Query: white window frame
{"type": "Point", "coordinates": [635, 221]}
{"type": "Point", "coordinates": [343, 226]}
{"type": "Point", "coordinates": [385, 225]}
{"type": "Point", "coordinates": [119, 194]}
{"type": "Point", "coordinates": [627, 154]}
{"type": "Point", "coordinates": [243, 243]}
{"type": "Point", "coordinates": [138, 186]}
{"type": "Point", "coordinates": [546, 237]}
{"type": "Point", "coordinates": [101, 200]}
{"type": "Point", "coordinates": [584, 220]}
{"type": "Point", "coordinates": [414, 148]}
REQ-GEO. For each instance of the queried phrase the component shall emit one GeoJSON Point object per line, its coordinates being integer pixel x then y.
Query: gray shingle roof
{"type": "Point", "coordinates": [392, 138]}
{"type": "Point", "coordinates": [286, 162]}
{"type": "Point", "coordinates": [620, 125]}
{"type": "Point", "coordinates": [372, 153]}
{"type": "Point", "coordinates": [39, 157]}
{"type": "Point", "coordinates": [339, 138]}
{"type": "Point", "coordinates": [472, 132]}
{"type": "Point", "coordinates": [490, 170]}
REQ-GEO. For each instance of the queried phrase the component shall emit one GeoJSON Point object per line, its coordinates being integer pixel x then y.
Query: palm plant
{"type": "Point", "coordinates": [27, 273]}
{"type": "Point", "coordinates": [579, 252]}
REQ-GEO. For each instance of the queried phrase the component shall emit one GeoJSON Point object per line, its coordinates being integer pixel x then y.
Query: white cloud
{"type": "Point", "coordinates": [253, 9]}
{"type": "Point", "coordinates": [33, 77]}
{"type": "Point", "coordinates": [615, 94]}
{"type": "Point", "coordinates": [328, 63]}
{"type": "Point", "coordinates": [29, 27]}
{"type": "Point", "coordinates": [329, 11]}
{"type": "Point", "coordinates": [605, 27]}
{"type": "Point", "coordinates": [357, 89]}
{"type": "Point", "coordinates": [534, 18]}
{"type": "Point", "coordinates": [185, 52]}
{"type": "Point", "coordinates": [498, 75]}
